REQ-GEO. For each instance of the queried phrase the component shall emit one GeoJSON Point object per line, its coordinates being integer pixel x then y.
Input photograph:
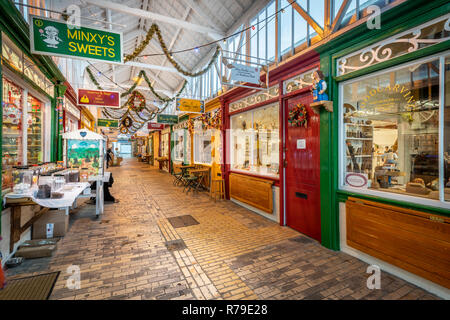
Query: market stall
{"type": "Point", "coordinates": [85, 150]}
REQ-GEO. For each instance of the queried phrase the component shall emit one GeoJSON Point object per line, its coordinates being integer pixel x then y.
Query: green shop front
{"type": "Point", "coordinates": [385, 165]}
{"type": "Point", "coordinates": [29, 119]}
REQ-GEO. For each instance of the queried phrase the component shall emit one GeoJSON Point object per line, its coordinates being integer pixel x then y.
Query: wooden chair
{"type": "Point", "coordinates": [217, 187]}
{"type": "Point", "coordinates": [177, 174]}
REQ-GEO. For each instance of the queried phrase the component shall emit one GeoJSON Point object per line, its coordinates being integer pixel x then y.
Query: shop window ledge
{"type": "Point", "coordinates": [328, 105]}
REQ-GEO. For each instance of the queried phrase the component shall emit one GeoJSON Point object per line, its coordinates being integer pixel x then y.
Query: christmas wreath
{"type": "Point", "coordinates": [298, 116]}
{"type": "Point", "coordinates": [123, 130]}
{"type": "Point", "coordinates": [136, 95]}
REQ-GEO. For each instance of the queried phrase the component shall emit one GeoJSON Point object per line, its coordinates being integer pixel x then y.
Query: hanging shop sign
{"type": "Point", "coordinates": [244, 73]}
{"type": "Point", "coordinates": [167, 118]}
{"type": "Point", "coordinates": [111, 123]}
{"type": "Point", "coordinates": [56, 38]}
{"type": "Point", "coordinates": [99, 98]}
{"type": "Point", "coordinates": [155, 126]}
{"type": "Point", "coordinates": [190, 105]}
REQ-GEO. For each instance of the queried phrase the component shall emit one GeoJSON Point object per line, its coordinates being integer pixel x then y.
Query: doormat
{"type": "Point", "coordinates": [30, 288]}
{"type": "Point", "coordinates": [302, 239]}
{"type": "Point", "coordinates": [175, 245]}
{"type": "Point", "coordinates": [182, 221]}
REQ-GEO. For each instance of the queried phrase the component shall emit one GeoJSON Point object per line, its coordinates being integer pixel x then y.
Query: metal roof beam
{"type": "Point", "coordinates": [212, 33]}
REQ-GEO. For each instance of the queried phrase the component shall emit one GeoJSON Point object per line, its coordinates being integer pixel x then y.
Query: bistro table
{"type": "Point", "coordinates": [201, 176]}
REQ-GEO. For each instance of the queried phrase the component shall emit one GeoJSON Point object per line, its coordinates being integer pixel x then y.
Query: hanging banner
{"type": "Point", "coordinates": [155, 126]}
{"type": "Point", "coordinates": [167, 118]}
{"type": "Point", "coordinates": [55, 38]}
{"type": "Point", "coordinates": [244, 73]}
{"type": "Point", "coordinates": [110, 123]}
{"type": "Point", "coordinates": [99, 98]}
{"type": "Point", "coordinates": [190, 105]}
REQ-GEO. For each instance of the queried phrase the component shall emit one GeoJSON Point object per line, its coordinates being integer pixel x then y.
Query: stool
{"type": "Point", "coordinates": [217, 188]}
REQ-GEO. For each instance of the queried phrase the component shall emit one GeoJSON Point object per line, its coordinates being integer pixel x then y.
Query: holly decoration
{"type": "Point", "coordinates": [136, 96]}
{"type": "Point", "coordinates": [298, 116]}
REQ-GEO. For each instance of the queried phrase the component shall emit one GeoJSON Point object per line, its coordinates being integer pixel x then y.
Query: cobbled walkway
{"type": "Point", "coordinates": [134, 252]}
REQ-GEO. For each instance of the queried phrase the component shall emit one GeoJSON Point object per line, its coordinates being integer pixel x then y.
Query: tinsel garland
{"type": "Point", "coordinates": [155, 28]}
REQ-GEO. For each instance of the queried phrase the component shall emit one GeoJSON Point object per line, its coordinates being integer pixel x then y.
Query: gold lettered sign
{"type": "Point", "coordinates": [190, 105]}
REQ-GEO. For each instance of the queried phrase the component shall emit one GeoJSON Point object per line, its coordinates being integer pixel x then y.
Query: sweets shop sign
{"type": "Point", "coordinates": [55, 38]}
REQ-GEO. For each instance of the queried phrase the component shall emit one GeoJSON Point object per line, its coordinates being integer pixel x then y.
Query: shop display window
{"type": "Point", "coordinates": [447, 129]}
{"type": "Point", "coordinates": [178, 145]}
{"type": "Point", "coordinates": [255, 141]}
{"type": "Point", "coordinates": [390, 132]}
{"type": "Point", "coordinates": [12, 145]}
{"type": "Point", "coordinates": [202, 144]}
{"type": "Point", "coordinates": [34, 131]}
{"type": "Point", "coordinates": [165, 145]}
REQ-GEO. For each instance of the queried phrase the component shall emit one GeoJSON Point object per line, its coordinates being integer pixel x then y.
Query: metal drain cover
{"type": "Point", "coordinates": [182, 221]}
{"type": "Point", "coordinates": [175, 245]}
{"type": "Point", "coordinates": [302, 239]}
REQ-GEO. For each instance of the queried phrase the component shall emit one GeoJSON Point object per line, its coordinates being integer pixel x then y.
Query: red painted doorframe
{"type": "Point", "coordinates": [283, 72]}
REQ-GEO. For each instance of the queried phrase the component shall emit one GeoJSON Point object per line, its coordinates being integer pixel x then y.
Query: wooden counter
{"type": "Point", "coordinates": [415, 241]}
{"type": "Point", "coordinates": [254, 191]}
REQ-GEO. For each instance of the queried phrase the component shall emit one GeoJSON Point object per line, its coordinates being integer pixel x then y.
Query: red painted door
{"type": "Point", "coordinates": [302, 172]}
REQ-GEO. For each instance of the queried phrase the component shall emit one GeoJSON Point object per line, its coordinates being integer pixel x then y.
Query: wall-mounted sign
{"type": "Point", "coordinates": [167, 118]}
{"type": "Point", "coordinates": [244, 73]}
{"type": "Point", "coordinates": [70, 108]}
{"type": "Point", "coordinates": [356, 180]}
{"type": "Point", "coordinates": [99, 98]}
{"type": "Point", "coordinates": [55, 38]}
{"type": "Point", "coordinates": [111, 123]}
{"type": "Point", "coordinates": [155, 126]}
{"type": "Point", "coordinates": [301, 143]}
{"type": "Point", "coordinates": [190, 105]}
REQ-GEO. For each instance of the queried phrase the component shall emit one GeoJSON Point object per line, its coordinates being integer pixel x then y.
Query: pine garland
{"type": "Point", "coordinates": [155, 28]}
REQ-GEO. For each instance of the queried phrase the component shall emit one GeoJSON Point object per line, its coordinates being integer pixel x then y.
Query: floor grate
{"type": "Point", "coordinates": [182, 221]}
{"type": "Point", "coordinates": [175, 245]}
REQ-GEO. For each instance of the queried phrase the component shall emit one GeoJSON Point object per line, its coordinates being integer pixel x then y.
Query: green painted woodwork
{"type": "Point", "coordinates": [396, 20]}
{"type": "Point", "coordinates": [1, 137]}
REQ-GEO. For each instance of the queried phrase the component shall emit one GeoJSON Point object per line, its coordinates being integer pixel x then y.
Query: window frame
{"type": "Point", "coordinates": [252, 149]}
{"type": "Point", "coordinates": [440, 203]}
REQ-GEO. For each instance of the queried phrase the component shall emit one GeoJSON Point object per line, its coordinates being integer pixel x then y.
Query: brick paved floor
{"type": "Point", "coordinates": [134, 252]}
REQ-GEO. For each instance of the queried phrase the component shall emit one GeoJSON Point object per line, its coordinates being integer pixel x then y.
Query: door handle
{"type": "Point", "coordinates": [285, 163]}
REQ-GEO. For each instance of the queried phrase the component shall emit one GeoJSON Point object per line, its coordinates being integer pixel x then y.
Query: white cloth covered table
{"type": "Point", "coordinates": [71, 192]}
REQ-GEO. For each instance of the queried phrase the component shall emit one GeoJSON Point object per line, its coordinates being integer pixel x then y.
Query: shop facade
{"type": "Point", "coordinates": [31, 87]}
{"type": "Point", "coordinates": [181, 142]}
{"type": "Point", "coordinates": [87, 119]}
{"type": "Point", "coordinates": [266, 168]}
{"type": "Point", "coordinates": [72, 112]}
{"type": "Point", "coordinates": [384, 149]}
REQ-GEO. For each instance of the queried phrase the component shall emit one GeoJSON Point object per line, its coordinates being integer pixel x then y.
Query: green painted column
{"type": "Point", "coordinates": [328, 207]}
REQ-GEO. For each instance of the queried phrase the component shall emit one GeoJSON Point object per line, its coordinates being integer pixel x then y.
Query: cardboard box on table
{"type": "Point", "coordinates": [60, 222]}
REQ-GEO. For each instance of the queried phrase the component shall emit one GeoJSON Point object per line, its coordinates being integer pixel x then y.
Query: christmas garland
{"type": "Point", "coordinates": [298, 116]}
{"type": "Point", "coordinates": [155, 29]}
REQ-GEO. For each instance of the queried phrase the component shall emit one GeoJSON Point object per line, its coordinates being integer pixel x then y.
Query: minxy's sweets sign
{"type": "Point", "coordinates": [55, 38]}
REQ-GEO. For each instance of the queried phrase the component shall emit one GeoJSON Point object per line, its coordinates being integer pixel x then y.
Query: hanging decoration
{"type": "Point", "coordinates": [215, 122]}
{"type": "Point", "coordinates": [150, 33]}
{"type": "Point", "coordinates": [191, 126]}
{"type": "Point", "coordinates": [136, 96]}
{"type": "Point", "coordinates": [123, 130]}
{"type": "Point", "coordinates": [127, 122]}
{"type": "Point", "coordinates": [298, 116]}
